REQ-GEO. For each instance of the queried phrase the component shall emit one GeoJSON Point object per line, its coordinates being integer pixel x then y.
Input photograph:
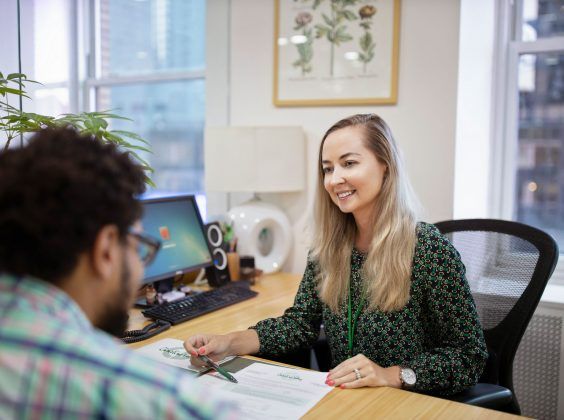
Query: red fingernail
{"type": "Point", "coordinates": [342, 386]}
{"type": "Point", "coordinates": [202, 350]}
{"type": "Point", "coordinates": [194, 353]}
{"type": "Point", "coordinates": [330, 382]}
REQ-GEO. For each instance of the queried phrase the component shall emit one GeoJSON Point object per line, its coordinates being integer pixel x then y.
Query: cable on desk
{"type": "Point", "coordinates": [149, 331]}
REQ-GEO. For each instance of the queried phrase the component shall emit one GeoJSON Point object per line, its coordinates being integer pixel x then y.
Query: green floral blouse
{"type": "Point", "coordinates": [437, 333]}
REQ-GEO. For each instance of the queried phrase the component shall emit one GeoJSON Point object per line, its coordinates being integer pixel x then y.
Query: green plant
{"type": "Point", "coordinates": [15, 123]}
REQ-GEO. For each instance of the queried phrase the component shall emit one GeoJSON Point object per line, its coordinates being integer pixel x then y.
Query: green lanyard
{"type": "Point", "coordinates": [351, 321]}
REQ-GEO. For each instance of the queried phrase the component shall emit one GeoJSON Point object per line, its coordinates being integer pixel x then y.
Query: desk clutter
{"type": "Point", "coordinates": [201, 303]}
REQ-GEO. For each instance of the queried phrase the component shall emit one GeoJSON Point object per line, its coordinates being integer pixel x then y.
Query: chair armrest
{"type": "Point", "coordinates": [485, 395]}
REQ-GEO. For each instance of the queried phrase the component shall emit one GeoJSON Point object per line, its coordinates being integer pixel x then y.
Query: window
{"type": "Point", "coordinates": [149, 66]}
{"type": "Point", "coordinates": [51, 58]}
{"type": "Point", "coordinates": [533, 157]}
{"type": "Point", "coordinates": [143, 59]}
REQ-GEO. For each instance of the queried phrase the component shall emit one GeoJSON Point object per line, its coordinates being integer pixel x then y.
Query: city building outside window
{"type": "Point", "coordinates": [532, 190]}
{"type": "Point", "coordinates": [143, 59]}
{"type": "Point", "coordinates": [150, 63]}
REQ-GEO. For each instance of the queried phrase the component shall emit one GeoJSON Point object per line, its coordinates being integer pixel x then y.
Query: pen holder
{"type": "Point", "coordinates": [233, 264]}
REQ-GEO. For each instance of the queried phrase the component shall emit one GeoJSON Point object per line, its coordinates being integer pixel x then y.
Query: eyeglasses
{"type": "Point", "coordinates": [147, 246]}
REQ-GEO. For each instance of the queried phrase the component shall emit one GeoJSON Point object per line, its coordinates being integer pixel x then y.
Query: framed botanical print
{"type": "Point", "coordinates": [336, 52]}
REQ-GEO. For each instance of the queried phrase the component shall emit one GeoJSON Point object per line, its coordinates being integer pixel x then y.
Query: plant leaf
{"type": "Point", "coordinates": [124, 143]}
{"type": "Point", "coordinates": [107, 114]}
{"type": "Point", "coordinates": [327, 20]}
{"type": "Point", "coordinates": [342, 38]}
{"type": "Point", "coordinates": [13, 91]}
{"type": "Point", "coordinates": [365, 41]}
{"type": "Point", "coordinates": [150, 182]}
{"type": "Point", "coordinates": [131, 136]}
{"type": "Point", "coordinates": [349, 15]}
{"type": "Point", "coordinates": [144, 163]}
{"type": "Point", "coordinates": [12, 76]}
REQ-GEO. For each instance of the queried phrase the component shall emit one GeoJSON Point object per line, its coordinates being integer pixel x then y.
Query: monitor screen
{"type": "Point", "coordinates": [177, 223]}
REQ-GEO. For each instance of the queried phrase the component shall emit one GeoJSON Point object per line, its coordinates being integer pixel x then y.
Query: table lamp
{"type": "Point", "coordinates": [257, 159]}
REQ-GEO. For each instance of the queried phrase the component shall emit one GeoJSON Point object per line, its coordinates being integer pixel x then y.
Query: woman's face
{"type": "Point", "coordinates": [353, 175]}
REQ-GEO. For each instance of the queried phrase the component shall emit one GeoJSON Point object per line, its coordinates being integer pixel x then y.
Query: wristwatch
{"type": "Point", "coordinates": [407, 377]}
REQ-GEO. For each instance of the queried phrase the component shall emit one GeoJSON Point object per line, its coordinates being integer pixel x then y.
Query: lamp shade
{"type": "Point", "coordinates": [254, 159]}
{"type": "Point", "coordinates": [257, 159]}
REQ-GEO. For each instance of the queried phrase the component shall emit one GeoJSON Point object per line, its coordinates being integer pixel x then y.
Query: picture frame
{"type": "Point", "coordinates": [336, 52]}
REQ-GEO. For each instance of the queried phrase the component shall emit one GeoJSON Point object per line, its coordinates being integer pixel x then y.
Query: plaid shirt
{"type": "Point", "coordinates": [55, 364]}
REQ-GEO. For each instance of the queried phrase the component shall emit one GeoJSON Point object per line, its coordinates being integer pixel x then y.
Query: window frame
{"type": "Point", "coordinates": [92, 54]}
{"type": "Point", "coordinates": [509, 47]}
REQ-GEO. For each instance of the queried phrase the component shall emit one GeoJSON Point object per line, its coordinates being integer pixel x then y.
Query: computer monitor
{"type": "Point", "coordinates": [176, 221]}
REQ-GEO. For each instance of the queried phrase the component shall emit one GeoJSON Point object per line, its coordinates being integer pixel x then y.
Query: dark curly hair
{"type": "Point", "coordinates": [56, 193]}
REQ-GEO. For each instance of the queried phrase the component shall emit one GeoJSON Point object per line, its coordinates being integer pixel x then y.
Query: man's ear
{"type": "Point", "coordinates": [105, 251]}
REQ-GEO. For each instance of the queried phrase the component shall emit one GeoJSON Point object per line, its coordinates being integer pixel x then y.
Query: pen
{"type": "Point", "coordinates": [217, 368]}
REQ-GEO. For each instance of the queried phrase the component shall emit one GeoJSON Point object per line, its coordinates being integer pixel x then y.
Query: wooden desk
{"type": "Point", "coordinates": [276, 293]}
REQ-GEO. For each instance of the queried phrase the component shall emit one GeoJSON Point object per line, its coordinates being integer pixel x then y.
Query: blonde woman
{"type": "Point", "coordinates": [390, 292]}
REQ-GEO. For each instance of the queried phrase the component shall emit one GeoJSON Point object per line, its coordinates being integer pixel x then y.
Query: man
{"type": "Point", "coordinates": [71, 257]}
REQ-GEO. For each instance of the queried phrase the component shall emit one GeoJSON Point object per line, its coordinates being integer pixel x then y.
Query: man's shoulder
{"type": "Point", "coordinates": [93, 365]}
{"type": "Point", "coordinates": [152, 386]}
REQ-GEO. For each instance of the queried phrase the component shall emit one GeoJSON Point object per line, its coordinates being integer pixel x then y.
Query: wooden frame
{"type": "Point", "coordinates": [336, 52]}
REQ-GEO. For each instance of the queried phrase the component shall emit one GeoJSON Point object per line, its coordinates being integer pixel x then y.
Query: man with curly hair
{"type": "Point", "coordinates": [71, 258]}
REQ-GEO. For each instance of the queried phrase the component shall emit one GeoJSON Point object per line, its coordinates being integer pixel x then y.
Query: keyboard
{"type": "Point", "coordinates": [202, 303]}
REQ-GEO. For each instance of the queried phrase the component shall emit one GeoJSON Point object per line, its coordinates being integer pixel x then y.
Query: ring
{"type": "Point", "coordinates": [357, 374]}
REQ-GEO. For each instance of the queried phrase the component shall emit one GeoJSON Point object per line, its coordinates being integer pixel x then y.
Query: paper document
{"type": "Point", "coordinates": [272, 392]}
{"type": "Point", "coordinates": [171, 352]}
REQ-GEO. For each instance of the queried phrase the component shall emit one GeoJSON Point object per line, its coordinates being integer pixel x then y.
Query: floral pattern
{"type": "Point", "coordinates": [437, 333]}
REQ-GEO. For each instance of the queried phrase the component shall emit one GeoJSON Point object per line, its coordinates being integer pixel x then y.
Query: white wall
{"type": "Point", "coordinates": [473, 160]}
{"type": "Point", "coordinates": [423, 121]}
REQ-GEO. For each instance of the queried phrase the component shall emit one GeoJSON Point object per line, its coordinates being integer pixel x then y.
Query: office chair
{"type": "Point", "coordinates": [508, 265]}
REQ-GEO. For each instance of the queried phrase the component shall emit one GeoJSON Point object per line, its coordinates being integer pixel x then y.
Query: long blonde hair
{"type": "Point", "coordinates": [388, 265]}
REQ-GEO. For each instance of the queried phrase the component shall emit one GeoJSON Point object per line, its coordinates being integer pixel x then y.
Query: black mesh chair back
{"type": "Point", "coordinates": [508, 265]}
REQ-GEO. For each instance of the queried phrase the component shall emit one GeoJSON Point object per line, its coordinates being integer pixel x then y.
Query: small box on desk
{"type": "Point", "coordinates": [247, 269]}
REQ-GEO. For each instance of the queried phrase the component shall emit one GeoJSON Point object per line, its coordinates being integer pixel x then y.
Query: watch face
{"type": "Point", "coordinates": [408, 376]}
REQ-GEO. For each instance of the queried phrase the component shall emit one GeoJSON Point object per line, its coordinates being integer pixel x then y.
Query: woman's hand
{"type": "Point", "coordinates": [216, 347]}
{"type": "Point", "coordinates": [371, 374]}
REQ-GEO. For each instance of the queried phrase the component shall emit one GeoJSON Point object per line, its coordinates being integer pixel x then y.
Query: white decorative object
{"type": "Point", "coordinates": [257, 159]}
{"type": "Point", "coordinates": [263, 231]}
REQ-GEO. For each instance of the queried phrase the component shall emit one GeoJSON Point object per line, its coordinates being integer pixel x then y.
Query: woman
{"type": "Point", "coordinates": [390, 292]}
